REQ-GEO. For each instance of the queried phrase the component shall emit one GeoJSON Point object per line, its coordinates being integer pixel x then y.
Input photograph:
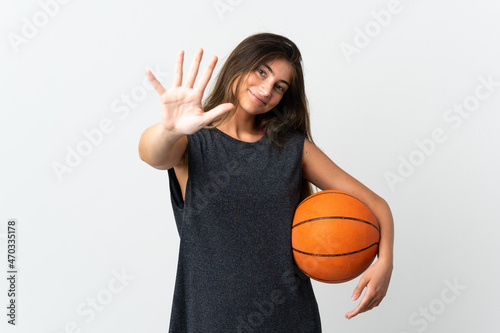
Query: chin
{"type": "Point", "coordinates": [252, 109]}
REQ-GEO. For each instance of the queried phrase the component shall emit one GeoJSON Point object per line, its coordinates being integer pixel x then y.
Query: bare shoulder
{"type": "Point", "coordinates": [311, 153]}
{"type": "Point", "coordinates": [308, 146]}
{"type": "Point", "coordinates": [320, 170]}
{"type": "Point", "coordinates": [325, 174]}
{"type": "Point", "coordinates": [316, 163]}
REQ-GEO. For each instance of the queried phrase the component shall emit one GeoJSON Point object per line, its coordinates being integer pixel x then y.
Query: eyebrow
{"type": "Point", "coordinates": [269, 68]}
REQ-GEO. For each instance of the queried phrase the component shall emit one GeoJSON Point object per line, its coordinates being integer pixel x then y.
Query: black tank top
{"type": "Point", "coordinates": [235, 269]}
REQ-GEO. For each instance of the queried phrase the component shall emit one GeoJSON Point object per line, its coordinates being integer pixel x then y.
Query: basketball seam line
{"type": "Point", "coordinates": [334, 255]}
{"type": "Point", "coordinates": [336, 217]}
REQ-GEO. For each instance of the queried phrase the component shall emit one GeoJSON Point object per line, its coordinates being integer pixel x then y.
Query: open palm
{"type": "Point", "coordinates": [181, 106]}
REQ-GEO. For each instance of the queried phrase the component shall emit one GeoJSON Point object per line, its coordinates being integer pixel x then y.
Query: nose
{"type": "Point", "coordinates": [265, 88]}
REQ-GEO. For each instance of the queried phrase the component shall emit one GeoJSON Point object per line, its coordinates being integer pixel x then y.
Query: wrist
{"type": "Point", "coordinates": [386, 260]}
{"type": "Point", "coordinates": [168, 132]}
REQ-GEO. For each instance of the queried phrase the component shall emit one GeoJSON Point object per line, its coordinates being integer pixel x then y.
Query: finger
{"type": "Point", "coordinates": [360, 308]}
{"type": "Point", "coordinates": [154, 82]}
{"type": "Point", "coordinates": [178, 69]}
{"type": "Point", "coordinates": [209, 116]}
{"type": "Point", "coordinates": [368, 305]}
{"type": "Point", "coordinates": [207, 74]}
{"type": "Point", "coordinates": [359, 289]}
{"type": "Point", "coordinates": [367, 302]}
{"type": "Point", "coordinates": [193, 71]}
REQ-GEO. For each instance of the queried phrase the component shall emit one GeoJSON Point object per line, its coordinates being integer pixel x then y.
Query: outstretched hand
{"type": "Point", "coordinates": [181, 106]}
{"type": "Point", "coordinates": [376, 280]}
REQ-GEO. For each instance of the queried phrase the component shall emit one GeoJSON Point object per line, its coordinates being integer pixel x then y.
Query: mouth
{"type": "Point", "coordinates": [256, 98]}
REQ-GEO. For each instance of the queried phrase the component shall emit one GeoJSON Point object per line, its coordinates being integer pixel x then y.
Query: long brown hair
{"type": "Point", "coordinates": [291, 113]}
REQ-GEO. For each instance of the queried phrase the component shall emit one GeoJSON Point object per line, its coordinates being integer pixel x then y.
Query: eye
{"type": "Point", "coordinates": [261, 72]}
{"type": "Point", "coordinates": [280, 88]}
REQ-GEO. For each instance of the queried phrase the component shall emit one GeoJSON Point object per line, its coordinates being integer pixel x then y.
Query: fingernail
{"type": "Point", "coordinates": [353, 297]}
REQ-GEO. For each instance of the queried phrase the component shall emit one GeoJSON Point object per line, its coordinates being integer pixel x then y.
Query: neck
{"type": "Point", "coordinates": [241, 125]}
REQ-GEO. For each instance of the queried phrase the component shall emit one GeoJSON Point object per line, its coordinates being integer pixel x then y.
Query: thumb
{"type": "Point", "coordinates": [359, 289]}
{"type": "Point", "coordinates": [209, 116]}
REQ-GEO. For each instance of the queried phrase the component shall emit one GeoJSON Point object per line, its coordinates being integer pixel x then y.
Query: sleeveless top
{"type": "Point", "coordinates": [235, 268]}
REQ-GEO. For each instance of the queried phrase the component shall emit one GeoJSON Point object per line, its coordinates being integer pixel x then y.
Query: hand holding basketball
{"type": "Point", "coordinates": [335, 237]}
{"type": "Point", "coordinates": [181, 106]}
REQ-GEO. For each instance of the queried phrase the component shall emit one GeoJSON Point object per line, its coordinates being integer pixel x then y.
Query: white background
{"type": "Point", "coordinates": [111, 215]}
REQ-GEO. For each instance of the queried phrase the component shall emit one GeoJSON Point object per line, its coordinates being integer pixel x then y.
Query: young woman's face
{"type": "Point", "coordinates": [265, 86]}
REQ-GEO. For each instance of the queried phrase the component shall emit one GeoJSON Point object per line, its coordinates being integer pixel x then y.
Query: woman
{"type": "Point", "coordinates": [238, 166]}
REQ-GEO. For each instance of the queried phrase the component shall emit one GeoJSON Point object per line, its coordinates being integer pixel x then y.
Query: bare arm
{"type": "Point", "coordinates": [160, 148]}
{"type": "Point", "coordinates": [320, 170]}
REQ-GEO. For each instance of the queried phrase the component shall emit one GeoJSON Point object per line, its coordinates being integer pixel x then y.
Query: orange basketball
{"type": "Point", "coordinates": [335, 236]}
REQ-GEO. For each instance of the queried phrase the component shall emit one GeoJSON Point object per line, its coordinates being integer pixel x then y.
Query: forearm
{"type": "Point", "coordinates": [156, 147]}
{"type": "Point", "coordinates": [377, 277]}
{"type": "Point", "coordinates": [384, 216]}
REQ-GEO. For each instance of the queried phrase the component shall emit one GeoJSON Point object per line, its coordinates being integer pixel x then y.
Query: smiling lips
{"type": "Point", "coordinates": [255, 98]}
